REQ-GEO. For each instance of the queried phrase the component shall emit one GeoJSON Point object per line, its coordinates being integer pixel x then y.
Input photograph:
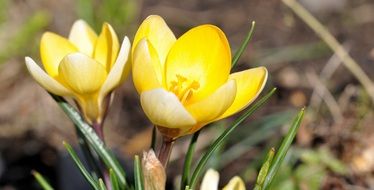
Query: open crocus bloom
{"type": "Point", "coordinates": [85, 66]}
{"type": "Point", "coordinates": [185, 83]}
{"type": "Point", "coordinates": [211, 179]}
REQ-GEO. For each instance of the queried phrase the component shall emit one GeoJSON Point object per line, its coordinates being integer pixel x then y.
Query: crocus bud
{"type": "Point", "coordinates": [153, 172]}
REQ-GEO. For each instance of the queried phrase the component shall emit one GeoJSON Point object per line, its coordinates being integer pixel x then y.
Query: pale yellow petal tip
{"type": "Point", "coordinates": [119, 71]}
{"type": "Point", "coordinates": [107, 26]}
{"type": "Point", "coordinates": [80, 22]}
{"type": "Point", "coordinates": [48, 35]}
{"type": "Point", "coordinates": [45, 80]}
{"type": "Point", "coordinates": [236, 183]}
{"type": "Point", "coordinates": [28, 60]}
{"type": "Point", "coordinates": [173, 114]}
{"type": "Point", "coordinates": [210, 180]}
{"type": "Point", "coordinates": [153, 17]}
{"type": "Point", "coordinates": [30, 63]}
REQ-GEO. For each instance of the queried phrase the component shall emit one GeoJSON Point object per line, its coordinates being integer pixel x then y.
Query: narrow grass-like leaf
{"type": "Point", "coordinates": [188, 160]}
{"type": "Point", "coordinates": [114, 180]}
{"type": "Point", "coordinates": [244, 45]}
{"type": "Point", "coordinates": [81, 167]}
{"type": "Point", "coordinates": [41, 180]}
{"type": "Point", "coordinates": [264, 169]}
{"type": "Point", "coordinates": [281, 153]}
{"type": "Point", "coordinates": [139, 185]}
{"type": "Point", "coordinates": [204, 159]}
{"type": "Point", "coordinates": [102, 184]}
{"type": "Point", "coordinates": [253, 133]}
{"type": "Point", "coordinates": [105, 154]}
{"type": "Point", "coordinates": [90, 156]}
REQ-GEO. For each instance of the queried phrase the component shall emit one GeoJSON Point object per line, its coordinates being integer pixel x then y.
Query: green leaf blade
{"type": "Point", "coordinates": [139, 185]}
{"type": "Point", "coordinates": [114, 180]}
{"type": "Point", "coordinates": [188, 160]}
{"type": "Point", "coordinates": [42, 181]}
{"type": "Point", "coordinates": [204, 159]}
{"type": "Point", "coordinates": [244, 45]}
{"type": "Point", "coordinates": [286, 143]}
{"type": "Point", "coordinates": [81, 167]}
{"type": "Point", "coordinates": [106, 155]}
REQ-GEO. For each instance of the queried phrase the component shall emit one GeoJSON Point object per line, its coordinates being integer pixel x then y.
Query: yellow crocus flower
{"type": "Point", "coordinates": [211, 179]}
{"type": "Point", "coordinates": [85, 66]}
{"type": "Point", "coordinates": [185, 83]}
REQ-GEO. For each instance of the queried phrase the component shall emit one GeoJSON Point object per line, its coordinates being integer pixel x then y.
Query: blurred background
{"type": "Point", "coordinates": [334, 148]}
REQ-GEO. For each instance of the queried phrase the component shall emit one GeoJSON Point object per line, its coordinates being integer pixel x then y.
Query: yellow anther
{"type": "Point", "coordinates": [183, 88]}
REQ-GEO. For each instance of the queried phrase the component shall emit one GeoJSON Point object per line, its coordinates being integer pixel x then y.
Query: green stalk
{"type": "Point", "coordinates": [188, 160]}
{"type": "Point", "coordinates": [202, 162]}
{"type": "Point", "coordinates": [41, 180]}
{"type": "Point", "coordinates": [90, 156]}
{"type": "Point", "coordinates": [286, 143]}
{"type": "Point", "coordinates": [244, 45]}
{"type": "Point", "coordinates": [105, 154]}
{"type": "Point", "coordinates": [139, 184]}
{"type": "Point", "coordinates": [81, 167]}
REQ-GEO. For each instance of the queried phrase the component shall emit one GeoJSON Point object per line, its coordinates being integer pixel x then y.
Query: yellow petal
{"type": "Point", "coordinates": [210, 180]}
{"type": "Point", "coordinates": [249, 85]}
{"type": "Point", "coordinates": [121, 67]}
{"type": "Point", "coordinates": [159, 35]}
{"type": "Point", "coordinates": [83, 37]}
{"type": "Point", "coordinates": [236, 183]}
{"type": "Point", "coordinates": [213, 106]}
{"type": "Point", "coordinates": [52, 49]}
{"type": "Point", "coordinates": [81, 73]}
{"type": "Point", "coordinates": [106, 48]}
{"type": "Point", "coordinates": [145, 69]}
{"type": "Point", "coordinates": [202, 54]}
{"type": "Point", "coordinates": [164, 109]}
{"type": "Point", "coordinates": [45, 80]}
{"type": "Point", "coordinates": [90, 106]}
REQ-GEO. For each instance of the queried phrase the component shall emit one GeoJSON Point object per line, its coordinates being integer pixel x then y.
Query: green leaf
{"type": "Point", "coordinates": [92, 159]}
{"type": "Point", "coordinates": [188, 160]}
{"type": "Point", "coordinates": [41, 180]}
{"type": "Point", "coordinates": [255, 132]}
{"type": "Point", "coordinates": [23, 37]}
{"type": "Point", "coordinates": [102, 184]}
{"type": "Point", "coordinates": [138, 174]}
{"type": "Point", "coordinates": [114, 180]}
{"type": "Point", "coordinates": [204, 159]}
{"type": "Point", "coordinates": [286, 143]}
{"type": "Point", "coordinates": [264, 169]}
{"type": "Point", "coordinates": [244, 45]}
{"type": "Point", "coordinates": [105, 154]}
{"type": "Point", "coordinates": [81, 167]}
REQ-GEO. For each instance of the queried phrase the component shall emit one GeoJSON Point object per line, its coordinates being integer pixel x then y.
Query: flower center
{"type": "Point", "coordinates": [183, 88]}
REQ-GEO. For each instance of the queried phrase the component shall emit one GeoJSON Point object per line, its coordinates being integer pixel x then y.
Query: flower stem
{"type": "Point", "coordinates": [98, 127]}
{"type": "Point", "coordinates": [188, 160]}
{"type": "Point", "coordinates": [165, 150]}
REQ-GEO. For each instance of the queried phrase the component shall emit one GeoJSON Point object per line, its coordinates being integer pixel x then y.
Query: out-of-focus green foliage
{"type": "Point", "coordinates": [301, 52]}
{"type": "Point", "coordinates": [257, 131]}
{"type": "Point", "coordinates": [315, 164]}
{"type": "Point", "coordinates": [23, 42]}
{"type": "Point", "coordinates": [119, 13]}
{"type": "Point", "coordinates": [3, 9]}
